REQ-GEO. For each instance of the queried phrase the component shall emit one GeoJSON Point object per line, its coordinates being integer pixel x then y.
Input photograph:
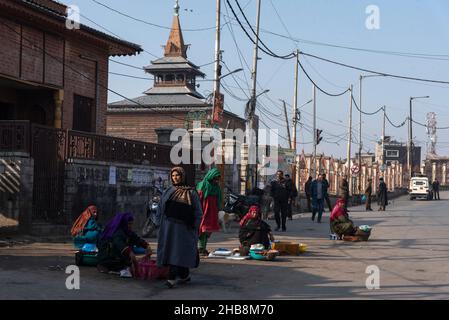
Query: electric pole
{"type": "Point", "coordinates": [360, 141]}
{"type": "Point", "coordinates": [253, 102]}
{"type": "Point", "coordinates": [288, 125]}
{"type": "Point", "coordinates": [295, 117]}
{"type": "Point", "coordinates": [217, 97]}
{"type": "Point", "coordinates": [314, 132]}
{"type": "Point", "coordinates": [382, 159]}
{"type": "Point", "coordinates": [348, 155]}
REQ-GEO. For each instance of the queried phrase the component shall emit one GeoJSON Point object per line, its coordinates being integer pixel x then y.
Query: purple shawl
{"type": "Point", "coordinates": [120, 221]}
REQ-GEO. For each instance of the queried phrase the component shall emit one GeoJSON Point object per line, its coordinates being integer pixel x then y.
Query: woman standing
{"type": "Point", "coordinates": [85, 229]}
{"type": "Point", "coordinates": [211, 198]}
{"type": "Point", "coordinates": [179, 215]}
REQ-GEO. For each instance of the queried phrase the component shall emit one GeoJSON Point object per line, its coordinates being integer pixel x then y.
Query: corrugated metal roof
{"type": "Point", "coordinates": [161, 100]}
{"type": "Point", "coordinates": [173, 90]}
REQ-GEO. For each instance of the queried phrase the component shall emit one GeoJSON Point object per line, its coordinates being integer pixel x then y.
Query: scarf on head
{"type": "Point", "coordinates": [120, 221]}
{"type": "Point", "coordinates": [183, 193]}
{"type": "Point", "coordinates": [253, 214]}
{"type": "Point", "coordinates": [80, 223]}
{"type": "Point", "coordinates": [208, 188]}
{"type": "Point", "coordinates": [339, 209]}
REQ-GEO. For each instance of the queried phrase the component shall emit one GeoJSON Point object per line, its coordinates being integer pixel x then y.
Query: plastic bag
{"type": "Point", "coordinates": [147, 269]}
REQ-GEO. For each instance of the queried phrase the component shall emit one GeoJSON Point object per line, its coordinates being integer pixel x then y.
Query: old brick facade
{"type": "Point", "coordinates": [50, 74]}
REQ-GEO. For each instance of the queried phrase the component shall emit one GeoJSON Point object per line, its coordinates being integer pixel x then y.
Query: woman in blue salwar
{"type": "Point", "coordinates": [86, 230]}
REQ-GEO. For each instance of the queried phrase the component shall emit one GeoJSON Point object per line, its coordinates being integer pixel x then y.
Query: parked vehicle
{"type": "Point", "coordinates": [239, 205]}
{"type": "Point", "coordinates": [149, 228]}
{"type": "Point", "coordinates": [420, 188]}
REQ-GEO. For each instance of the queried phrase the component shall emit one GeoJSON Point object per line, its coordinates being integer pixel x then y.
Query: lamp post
{"type": "Point", "coordinates": [410, 136]}
{"type": "Point", "coordinates": [360, 127]}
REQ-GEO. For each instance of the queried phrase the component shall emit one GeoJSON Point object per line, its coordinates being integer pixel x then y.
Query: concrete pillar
{"type": "Point", "coordinates": [434, 170]}
{"type": "Point", "coordinates": [444, 177]}
{"type": "Point", "coordinates": [59, 98]}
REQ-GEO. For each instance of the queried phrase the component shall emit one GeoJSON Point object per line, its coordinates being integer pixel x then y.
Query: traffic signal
{"type": "Point", "coordinates": [318, 136]}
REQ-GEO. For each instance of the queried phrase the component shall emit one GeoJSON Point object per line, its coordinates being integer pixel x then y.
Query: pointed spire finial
{"type": "Point", "coordinates": [177, 8]}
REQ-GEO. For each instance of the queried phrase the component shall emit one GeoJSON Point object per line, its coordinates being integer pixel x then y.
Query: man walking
{"type": "Point", "coordinates": [382, 195]}
{"type": "Point", "coordinates": [317, 198]}
{"type": "Point", "coordinates": [344, 190]}
{"type": "Point", "coordinates": [308, 191]}
{"type": "Point", "coordinates": [436, 189]}
{"type": "Point", "coordinates": [281, 190]}
{"type": "Point", "coordinates": [292, 198]}
{"type": "Point", "coordinates": [368, 193]}
{"type": "Point", "coordinates": [326, 192]}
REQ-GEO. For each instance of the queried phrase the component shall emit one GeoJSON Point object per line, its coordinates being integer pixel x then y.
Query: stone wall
{"type": "Point", "coordinates": [16, 190]}
{"type": "Point", "coordinates": [88, 182]}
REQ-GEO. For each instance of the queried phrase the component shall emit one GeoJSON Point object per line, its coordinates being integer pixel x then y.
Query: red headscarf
{"type": "Point", "coordinates": [338, 210]}
{"type": "Point", "coordinates": [82, 220]}
{"type": "Point", "coordinates": [253, 213]}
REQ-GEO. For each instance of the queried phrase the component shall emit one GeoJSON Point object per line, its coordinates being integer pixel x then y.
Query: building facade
{"type": "Point", "coordinates": [50, 74]}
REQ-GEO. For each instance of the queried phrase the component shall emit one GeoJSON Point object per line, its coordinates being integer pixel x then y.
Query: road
{"type": "Point", "coordinates": [409, 245]}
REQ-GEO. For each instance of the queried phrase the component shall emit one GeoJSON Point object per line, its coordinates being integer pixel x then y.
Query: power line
{"type": "Point", "coordinates": [372, 71]}
{"type": "Point", "coordinates": [147, 22]}
{"type": "Point", "coordinates": [363, 112]}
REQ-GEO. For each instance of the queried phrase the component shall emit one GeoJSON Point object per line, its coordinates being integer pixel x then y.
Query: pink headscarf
{"type": "Point", "coordinates": [253, 213]}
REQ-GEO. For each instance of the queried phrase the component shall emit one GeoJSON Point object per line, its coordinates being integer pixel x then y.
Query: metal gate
{"type": "Point", "coordinates": [48, 149]}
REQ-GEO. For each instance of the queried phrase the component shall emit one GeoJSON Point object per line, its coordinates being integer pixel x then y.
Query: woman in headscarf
{"type": "Point", "coordinates": [86, 229]}
{"type": "Point", "coordinates": [211, 198]}
{"type": "Point", "coordinates": [253, 230]}
{"type": "Point", "coordinates": [339, 220]}
{"type": "Point", "coordinates": [179, 215]}
{"type": "Point", "coordinates": [115, 247]}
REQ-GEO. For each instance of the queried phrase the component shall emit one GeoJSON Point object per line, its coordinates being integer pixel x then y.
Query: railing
{"type": "Point", "coordinates": [87, 146]}
{"type": "Point", "coordinates": [14, 136]}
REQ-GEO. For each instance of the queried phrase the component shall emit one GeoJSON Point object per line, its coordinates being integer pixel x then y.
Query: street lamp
{"type": "Point", "coordinates": [360, 125]}
{"type": "Point", "coordinates": [232, 72]}
{"type": "Point", "coordinates": [410, 137]}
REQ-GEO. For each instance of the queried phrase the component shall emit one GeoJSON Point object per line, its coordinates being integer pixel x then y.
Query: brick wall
{"type": "Point", "coordinates": [22, 57]}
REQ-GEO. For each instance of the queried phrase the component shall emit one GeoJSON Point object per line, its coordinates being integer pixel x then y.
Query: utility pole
{"type": "Point", "coordinates": [410, 137]}
{"type": "Point", "coordinates": [288, 125]}
{"type": "Point", "coordinates": [382, 159]}
{"type": "Point", "coordinates": [360, 141]}
{"type": "Point", "coordinates": [314, 132]}
{"type": "Point", "coordinates": [295, 116]}
{"type": "Point", "coordinates": [348, 155]}
{"type": "Point", "coordinates": [253, 101]}
{"type": "Point", "coordinates": [217, 78]}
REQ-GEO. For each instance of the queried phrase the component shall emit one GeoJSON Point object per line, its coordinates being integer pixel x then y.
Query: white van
{"type": "Point", "coordinates": [419, 188]}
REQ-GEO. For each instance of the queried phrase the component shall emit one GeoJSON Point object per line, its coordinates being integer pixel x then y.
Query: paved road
{"type": "Point", "coordinates": [409, 245]}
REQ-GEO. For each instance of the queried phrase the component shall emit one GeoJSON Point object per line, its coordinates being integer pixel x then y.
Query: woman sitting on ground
{"type": "Point", "coordinates": [115, 247]}
{"type": "Point", "coordinates": [253, 230]}
{"type": "Point", "coordinates": [339, 220]}
{"type": "Point", "coordinates": [86, 229]}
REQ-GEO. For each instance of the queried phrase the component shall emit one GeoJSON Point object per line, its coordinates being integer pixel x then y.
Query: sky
{"type": "Point", "coordinates": [315, 27]}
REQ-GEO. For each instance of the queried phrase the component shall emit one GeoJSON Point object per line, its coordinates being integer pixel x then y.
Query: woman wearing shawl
{"type": "Point", "coordinates": [211, 198]}
{"type": "Point", "coordinates": [85, 229]}
{"type": "Point", "coordinates": [116, 242]}
{"type": "Point", "coordinates": [340, 222]}
{"type": "Point", "coordinates": [253, 230]}
{"type": "Point", "coordinates": [179, 215]}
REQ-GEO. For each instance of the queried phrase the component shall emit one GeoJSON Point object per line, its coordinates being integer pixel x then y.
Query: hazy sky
{"type": "Point", "coordinates": [406, 26]}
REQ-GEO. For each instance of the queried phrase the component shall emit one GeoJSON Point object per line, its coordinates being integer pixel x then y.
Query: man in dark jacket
{"type": "Point", "coordinates": [326, 192]}
{"type": "Point", "coordinates": [436, 189]}
{"type": "Point", "coordinates": [344, 190]}
{"type": "Point", "coordinates": [382, 195]}
{"type": "Point", "coordinates": [281, 191]}
{"type": "Point", "coordinates": [294, 194]}
{"type": "Point", "coordinates": [308, 191]}
{"type": "Point", "coordinates": [368, 193]}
